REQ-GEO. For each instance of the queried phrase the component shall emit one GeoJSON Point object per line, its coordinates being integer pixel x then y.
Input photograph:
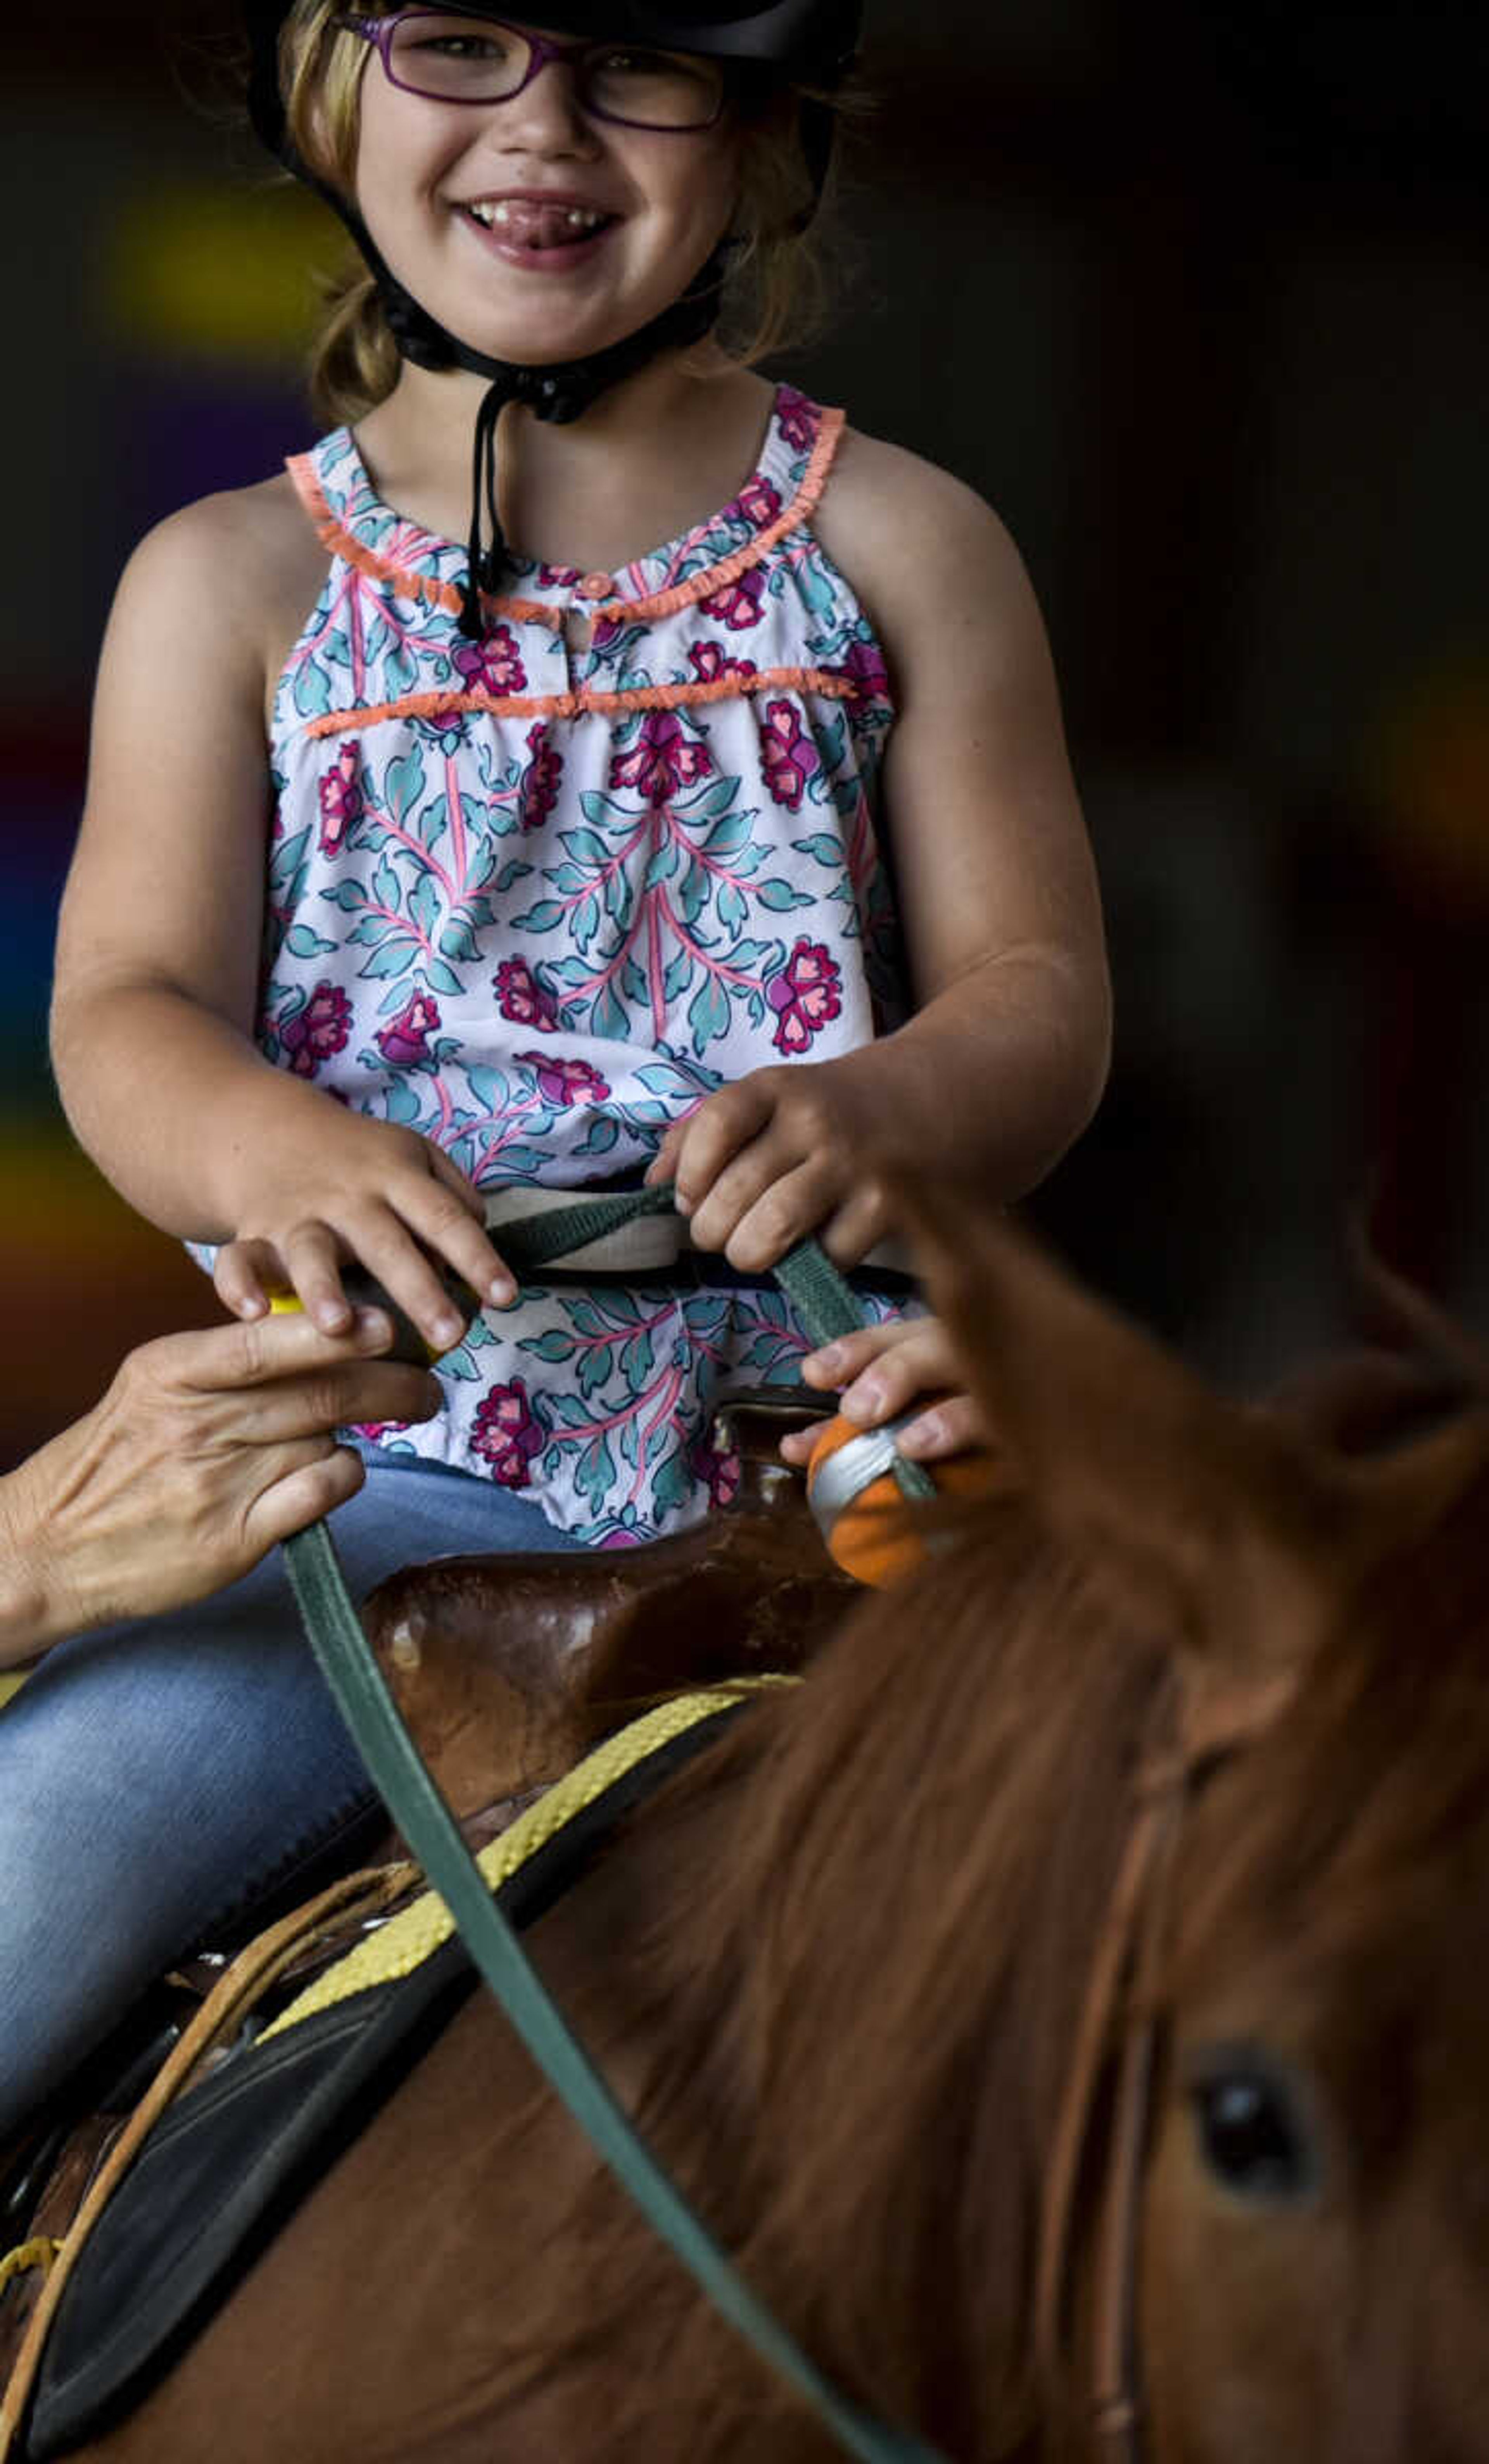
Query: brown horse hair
{"type": "Point", "coordinates": [772, 1874]}
{"type": "Point", "coordinates": [877, 1802]}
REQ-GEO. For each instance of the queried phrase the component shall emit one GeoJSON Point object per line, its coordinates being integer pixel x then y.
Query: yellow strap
{"type": "Point", "coordinates": [407, 1940]}
{"type": "Point", "coordinates": [28, 2255]}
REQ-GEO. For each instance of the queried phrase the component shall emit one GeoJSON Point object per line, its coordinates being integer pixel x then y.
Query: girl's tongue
{"type": "Point", "coordinates": [523, 222]}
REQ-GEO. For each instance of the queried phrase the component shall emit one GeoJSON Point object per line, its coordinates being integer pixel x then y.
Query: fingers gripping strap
{"type": "Point", "coordinates": [426, 1822]}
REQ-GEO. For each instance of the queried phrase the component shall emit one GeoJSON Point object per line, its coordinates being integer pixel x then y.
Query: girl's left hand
{"type": "Point", "coordinates": [880, 1372]}
{"type": "Point", "coordinates": [776, 1157]}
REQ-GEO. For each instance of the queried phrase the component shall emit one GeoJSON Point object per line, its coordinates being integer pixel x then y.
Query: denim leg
{"type": "Point", "coordinates": [156, 1775]}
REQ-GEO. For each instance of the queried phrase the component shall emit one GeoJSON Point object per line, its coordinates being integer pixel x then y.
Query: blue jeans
{"type": "Point", "coordinates": [156, 1777]}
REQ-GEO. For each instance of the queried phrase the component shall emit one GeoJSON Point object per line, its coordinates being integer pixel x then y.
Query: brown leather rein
{"type": "Point", "coordinates": [1121, 2009]}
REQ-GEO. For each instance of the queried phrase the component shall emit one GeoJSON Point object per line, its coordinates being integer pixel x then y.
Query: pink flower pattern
{"type": "Point", "coordinates": [523, 998]}
{"type": "Point", "coordinates": [492, 666]}
{"type": "Point", "coordinates": [711, 663]}
{"type": "Point", "coordinates": [865, 665]}
{"type": "Point", "coordinates": [566, 1082]}
{"type": "Point", "coordinates": [341, 799]}
{"type": "Point", "coordinates": [507, 1435]}
{"type": "Point", "coordinates": [804, 994]}
{"type": "Point", "coordinates": [318, 1031]}
{"type": "Point", "coordinates": [661, 760]}
{"type": "Point", "coordinates": [405, 1039]}
{"type": "Point", "coordinates": [758, 502]}
{"type": "Point", "coordinates": [737, 604]}
{"type": "Point", "coordinates": [788, 755]}
{"type": "Point", "coordinates": [541, 780]}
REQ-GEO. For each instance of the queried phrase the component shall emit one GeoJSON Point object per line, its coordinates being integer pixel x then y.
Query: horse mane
{"type": "Point", "coordinates": [865, 2132]}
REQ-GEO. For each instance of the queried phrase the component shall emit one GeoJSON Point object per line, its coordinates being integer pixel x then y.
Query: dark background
{"type": "Point", "coordinates": [1196, 298]}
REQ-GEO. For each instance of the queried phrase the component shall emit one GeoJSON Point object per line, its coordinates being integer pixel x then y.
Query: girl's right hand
{"type": "Point", "coordinates": [881, 1370]}
{"type": "Point", "coordinates": [370, 1192]}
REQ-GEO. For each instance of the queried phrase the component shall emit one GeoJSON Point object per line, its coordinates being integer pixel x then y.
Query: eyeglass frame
{"type": "Point", "coordinates": [379, 33]}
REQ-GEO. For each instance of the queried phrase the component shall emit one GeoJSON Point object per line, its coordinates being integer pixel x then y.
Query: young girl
{"type": "Point", "coordinates": [578, 854]}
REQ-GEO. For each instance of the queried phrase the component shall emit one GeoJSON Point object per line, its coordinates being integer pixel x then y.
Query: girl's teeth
{"type": "Point", "coordinates": [537, 221]}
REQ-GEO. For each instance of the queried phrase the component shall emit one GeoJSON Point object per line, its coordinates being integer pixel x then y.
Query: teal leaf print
{"type": "Point", "coordinates": [594, 1368]}
{"type": "Point", "coordinates": [780, 895]}
{"type": "Point", "coordinates": [728, 836]}
{"type": "Point", "coordinates": [608, 1018]}
{"type": "Point", "coordinates": [442, 979]}
{"type": "Point", "coordinates": [405, 782]}
{"type": "Point", "coordinates": [385, 886]}
{"type": "Point", "coordinates": [676, 980]}
{"type": "Point", "coordinates": [402, 673]}
{"type": "Point", "coordinates": [604, 1135]}
{"type": "Point", "coordinates": [712, 802]}
{"type": "Point", "coordinates": [347, 895]}
{"type": "Point", "coordinates": [395, 959]}
{"type": "Point", "coordinates": [662, 865]}
{"type": "Point", "coordinates": [602, 809]}
{"type": "Point", "coordinates": [306, 944]}
{"type": "Point", "coordinates": [424, 904]}
{"type": "Point", "coordinates": [584, 847]}
{"type": "Point", "coordinates": [540, 919]}
{"type": "Point", "coordinates": [553, 1346]}
{"type": "Point", "coordinates": [586, 920]}
{"type": "Point", "coordinates": [708, 1015]}
{"type": "Point", "coordinates": [512, 873]}
{"type": "Point", "coordinates": [595, 1471]}
{"type": "Point", "coordinates": [672, 1484]}
{"type": "Point", "coordinates": [635, 1362]}
{"type": "Point", "coordinates": [312, 693]}
{"type": "Point", "coordinates": [822, 847]}
{"type": "Point", "coordinates": [403, 1106]}
{"type": "Point", "coordinates": [733, 908]}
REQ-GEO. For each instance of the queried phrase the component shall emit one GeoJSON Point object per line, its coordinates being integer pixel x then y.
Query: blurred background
{"type": "Point", "coordinates": [1197, 299]}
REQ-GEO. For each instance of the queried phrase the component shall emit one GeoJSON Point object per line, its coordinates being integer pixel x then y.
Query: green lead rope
{"type": "Point", "coordinates": [827, 1308]}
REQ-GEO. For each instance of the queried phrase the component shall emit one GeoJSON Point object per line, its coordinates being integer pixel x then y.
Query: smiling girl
{"type": "Point", "coordinates": [507, 794]}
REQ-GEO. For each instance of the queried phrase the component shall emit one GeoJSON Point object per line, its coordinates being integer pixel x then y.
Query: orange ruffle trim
{"type": "Point", "coordinates": [573, 705]}
{"type": "Point", "coordinates": [342, 543]}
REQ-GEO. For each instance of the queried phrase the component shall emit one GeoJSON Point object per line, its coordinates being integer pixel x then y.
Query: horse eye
{"type": "Point", "coordinates": [1252, 2136]}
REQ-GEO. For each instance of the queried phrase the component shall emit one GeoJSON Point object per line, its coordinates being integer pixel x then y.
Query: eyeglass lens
{"type": "Point", "coordinates": [471, 60]}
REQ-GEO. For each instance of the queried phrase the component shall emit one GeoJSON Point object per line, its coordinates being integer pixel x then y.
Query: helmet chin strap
{"type": "Point", "coordinates": [560, 392]}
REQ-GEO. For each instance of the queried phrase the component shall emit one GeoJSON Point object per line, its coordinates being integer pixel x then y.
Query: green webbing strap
{"type": "Point", "coordinates": [394, 1763]}
{"type": "Point", "coordinates": [827, 1309]}
{"type": "Point", "coordinates": [821, 1298]}
{"type": "Point", "coordinates": [533, 1240]}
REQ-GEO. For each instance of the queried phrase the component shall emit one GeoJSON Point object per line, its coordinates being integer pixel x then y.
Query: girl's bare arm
{"type": "Point", "coordinates": [1004, 1061]}
{"type": "Point", "coordinates": [158, 958]}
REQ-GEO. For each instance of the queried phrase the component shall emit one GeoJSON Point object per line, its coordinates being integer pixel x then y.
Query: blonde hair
{"type": "Point", "coordinates": [775, 289]}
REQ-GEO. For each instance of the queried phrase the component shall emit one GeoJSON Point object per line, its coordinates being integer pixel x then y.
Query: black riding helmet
{"type": "Point", "coordinates": [808, 41]}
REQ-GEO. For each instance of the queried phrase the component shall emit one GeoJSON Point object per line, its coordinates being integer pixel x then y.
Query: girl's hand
{"type": "Point", "coordinates": [880, 1372]}
{"type": "Point", "coordinates": [779, 1155]}
{"type": "Point", "coordinates": [368, 1191]}
{"type": "Point", "coordinates": [206, 1449]}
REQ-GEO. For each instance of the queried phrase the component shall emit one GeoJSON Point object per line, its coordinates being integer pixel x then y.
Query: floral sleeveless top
{"type": "Point", "coordinates": [536, 897]}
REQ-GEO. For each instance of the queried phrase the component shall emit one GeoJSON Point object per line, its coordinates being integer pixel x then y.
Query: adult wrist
{"type": "Point", "coordinates": [30, 1615]}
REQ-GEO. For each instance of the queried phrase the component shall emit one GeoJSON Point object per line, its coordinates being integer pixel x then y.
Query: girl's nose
{"type": "Point", "coordinates": [545, 118]}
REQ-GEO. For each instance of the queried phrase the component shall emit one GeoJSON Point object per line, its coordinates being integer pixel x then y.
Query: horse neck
{"type": "Point", "coordinates": [873, 2001]}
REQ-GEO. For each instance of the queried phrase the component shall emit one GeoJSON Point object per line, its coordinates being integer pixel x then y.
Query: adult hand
{"type": "Point", "coordinates": [781, 1154]}
{"type": "Point", "coordinates": [206, 1449]}
{"type": "Point", "coordinates": [881, 1370]}
{"type": "Point", "coordinates": [365, 1190]}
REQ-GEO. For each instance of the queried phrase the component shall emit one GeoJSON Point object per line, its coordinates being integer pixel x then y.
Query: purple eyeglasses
{"type": "Point", "coordinates": [455, 55]}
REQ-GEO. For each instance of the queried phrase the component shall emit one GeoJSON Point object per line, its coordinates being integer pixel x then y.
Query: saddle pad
{"type": "Point", "coordinates": [225, 2169]}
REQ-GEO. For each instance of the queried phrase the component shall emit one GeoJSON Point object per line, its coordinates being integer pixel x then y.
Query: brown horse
{"type": "Point", "coordinates": [841, 1969]}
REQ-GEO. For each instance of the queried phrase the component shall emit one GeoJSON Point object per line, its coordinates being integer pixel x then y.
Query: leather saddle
{"type": "Point", "coordinates": [507, 1670]}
